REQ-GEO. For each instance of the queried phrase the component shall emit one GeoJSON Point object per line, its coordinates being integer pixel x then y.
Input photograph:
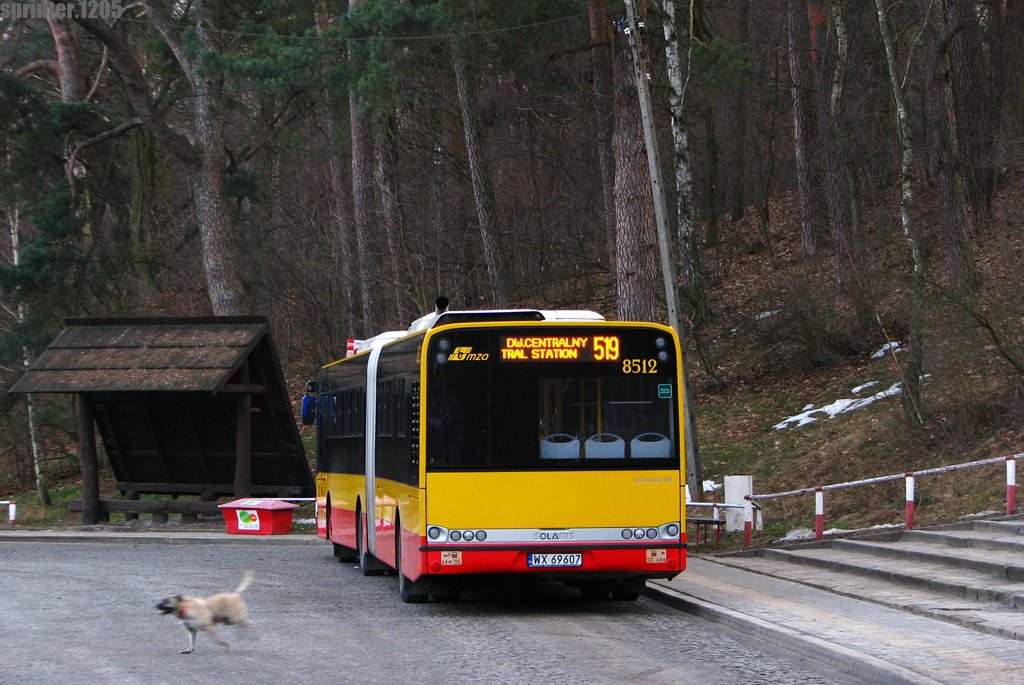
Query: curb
{"type": "Point", "coordinates": [851, 662]}
{"type": "Point", "coordinates": [184, 538]}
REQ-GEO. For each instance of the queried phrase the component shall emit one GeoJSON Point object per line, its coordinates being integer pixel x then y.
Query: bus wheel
{"type": "Point", "coordinates": [368, 566]}
{"type": "Point", "coordinates": [411, 592]}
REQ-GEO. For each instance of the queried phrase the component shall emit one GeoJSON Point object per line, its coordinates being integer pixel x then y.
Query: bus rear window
{"type": "Point", "coordinates": [491, 414]}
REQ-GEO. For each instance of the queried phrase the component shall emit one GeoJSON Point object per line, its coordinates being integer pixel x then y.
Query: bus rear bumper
{"type": "Point", "coordinates": [562, 562]}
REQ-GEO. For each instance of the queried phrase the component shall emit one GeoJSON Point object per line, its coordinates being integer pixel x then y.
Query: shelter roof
{"type": "Point", "coordinates": [195, 354]}
{"type": "Point", "coordinates": [166, 395]}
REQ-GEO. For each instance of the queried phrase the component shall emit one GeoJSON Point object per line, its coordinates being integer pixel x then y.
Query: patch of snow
{"type": "Point", "coordinates": [798, 534]}
{"type": "Point", "coordinates": [765, 315]}
{"type": "Point", "coordinates": [711, 486]}
{"type": "Point", "coordinates": [863, 387]}
{"type": "Point", "coordinates": [894, 347]}
{"type": "Point", "coordinates": [838, 407]}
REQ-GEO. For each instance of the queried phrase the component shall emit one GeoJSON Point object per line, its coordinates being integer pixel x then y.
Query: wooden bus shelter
{"type": "Point", "coordinates": [184, 406]}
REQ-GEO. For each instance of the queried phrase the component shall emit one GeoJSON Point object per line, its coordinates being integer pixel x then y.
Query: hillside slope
{"type": "Point", "coordinates": [781, 348]}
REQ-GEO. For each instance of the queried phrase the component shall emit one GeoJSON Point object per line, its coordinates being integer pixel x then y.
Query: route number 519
{"type": "Point", "coordinates": [606, 348]}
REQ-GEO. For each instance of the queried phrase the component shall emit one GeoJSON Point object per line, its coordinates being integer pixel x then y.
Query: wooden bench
{"type": "Point", "coordinates": [160, 509]}
{"type": "Point", "coordinates": [703, 523]}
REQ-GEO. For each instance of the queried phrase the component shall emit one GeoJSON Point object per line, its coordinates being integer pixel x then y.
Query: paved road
{"type": "Point", "coordinates": [86, 613]}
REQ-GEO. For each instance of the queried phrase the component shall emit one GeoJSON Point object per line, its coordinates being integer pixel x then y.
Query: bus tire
{"type": "Point", "coordinates": [626, 595]}
{"type": "Point", "coordinates": [411, 592]}
{"type": "Point", "coordinates": [368, 566]}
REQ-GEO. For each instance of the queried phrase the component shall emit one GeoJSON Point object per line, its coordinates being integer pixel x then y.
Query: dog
{"type": "Point", "coordinates": [203, 613]}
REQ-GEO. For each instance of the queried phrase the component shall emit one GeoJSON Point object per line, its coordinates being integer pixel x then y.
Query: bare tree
{"type": "Point", "coordinates": [948, 169]}
{"type": "Point", "coordinates": [204, 154]}
{"type": "Point", "coordinates": [829, 67]}
{"type": "Point", "coordinates": [483, 190]}
{"type": "Point", "coordinates": [914, 368]}
{"type": "Point", "coordinates": [342, 226]}
{"type": "Point", "coordinates": [636, 258]}
{"type": "Point", "coordinates": [974, 104]}
{"type": "Point", "coordinates": [384, 146]}
{"type": "Point", "coordinates": [812, 211]}
{"type": "Point", "coordinates": [14, 226]}
{"type": "Point", "coordinates": [604, 119]}
{"type": "Point", "coordinates": [362, 196]}
{"type": "Point", "coordinates": [678, 46]}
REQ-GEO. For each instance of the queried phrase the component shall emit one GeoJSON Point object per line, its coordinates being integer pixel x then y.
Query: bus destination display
{"type": "Point", "coordinates": [596, 348]}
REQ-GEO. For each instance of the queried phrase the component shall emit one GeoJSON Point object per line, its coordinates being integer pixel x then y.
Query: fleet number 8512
{"type": "Point", "coordinates": [639, 366]}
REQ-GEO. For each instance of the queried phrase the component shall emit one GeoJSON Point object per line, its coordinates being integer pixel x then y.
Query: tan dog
{"type": "Point", "coordinates": [203, 613]}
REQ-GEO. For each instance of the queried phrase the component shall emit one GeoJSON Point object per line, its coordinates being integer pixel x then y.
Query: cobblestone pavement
{"type": "Point", "coordinates": [86, 613]}
{"type": "Point", "coordinates": [861, 637]}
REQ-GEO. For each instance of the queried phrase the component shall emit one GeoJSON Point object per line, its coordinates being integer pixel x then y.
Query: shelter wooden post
{"type": "Point", "coordinates": [90, 462]}
{"type": "Point", "coordinates": [243, 439]}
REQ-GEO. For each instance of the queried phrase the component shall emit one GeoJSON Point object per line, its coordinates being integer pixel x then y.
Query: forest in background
{"type": "Point", "coordinates": [838, 175]}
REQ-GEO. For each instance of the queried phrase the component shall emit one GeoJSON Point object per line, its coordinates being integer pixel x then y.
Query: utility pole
{"type": "Point", "coordinates": [668, 266]}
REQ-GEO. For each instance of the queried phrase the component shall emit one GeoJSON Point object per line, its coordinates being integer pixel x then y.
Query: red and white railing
{"type": "Point", "coordinates": [909, 477]}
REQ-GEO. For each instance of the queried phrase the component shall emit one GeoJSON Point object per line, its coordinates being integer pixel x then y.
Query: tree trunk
{"type": "Point", "coordinates": [391, 212]}
{"type": "Point", "coordinates": [636, 259]}
{"type": "Point", "coordinates": [812, 210]}
{"type": "Point", "coordinates": [737, 194]}
{"type": "Point", "coordinates": [69, 64]}
{"type": "Point", "coordinates": [711, 183]}
{"type": "Point", "coordinates": [343, 241]}
{"type": "Point", "coordinates": [838, 186]}
{"type": "Point", "coordinates": [975, 114]}
{"type": "Point", "coordinates": [604, 119]}
{"type": "Point", "coordinates": [483, 191]}
{"type": "Point", "coordinates": [205, 158]}
{"type": "Point", "coordinates": [216, 231]}
{"type": "Point", "coordinates": [14, 225]}
{"type": "Point", "coordinates": [914, 368]}
{"type": "Point", "coordinates": [1007, 42]}
{"type": "Point", "coordinates": [678, 45]}
{"type": "Point", "coordinates": [956, 229]}
{"type": "Point", "coordinates": [362, 200]}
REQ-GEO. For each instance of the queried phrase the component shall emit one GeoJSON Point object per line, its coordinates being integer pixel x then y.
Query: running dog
{"type": "Point", "coordinates": [203, 613]}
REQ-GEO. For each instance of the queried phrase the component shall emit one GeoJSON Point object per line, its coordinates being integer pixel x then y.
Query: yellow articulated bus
{"type": "Point", "coordinates": [486, 446]}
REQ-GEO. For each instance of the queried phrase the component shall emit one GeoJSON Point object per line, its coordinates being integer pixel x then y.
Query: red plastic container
{"type": "Point", "coordinates": [258, 516]}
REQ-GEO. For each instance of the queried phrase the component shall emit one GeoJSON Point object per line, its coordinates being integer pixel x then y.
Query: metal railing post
{"type": "Point", "coordinates": [1011, 484]}
{"type": "Point", "coordinates": [910, 500]}
{"type": "Point", "coordinates": [819, 514]}
{"type": "Point", "coordinates": [748, 520]}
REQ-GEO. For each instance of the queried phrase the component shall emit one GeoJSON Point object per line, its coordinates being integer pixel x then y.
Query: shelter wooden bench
{"type": "Point", "coordinates": [160, 509]}
{"type": "Point", "coordinates": [703, 524]}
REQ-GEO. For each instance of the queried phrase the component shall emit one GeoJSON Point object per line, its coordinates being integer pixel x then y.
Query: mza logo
{"type": "Point", "coordinates": [465, 354]}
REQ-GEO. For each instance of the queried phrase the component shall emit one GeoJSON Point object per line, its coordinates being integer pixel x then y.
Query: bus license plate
{"type": "Point", "coordinates": [553, 560]}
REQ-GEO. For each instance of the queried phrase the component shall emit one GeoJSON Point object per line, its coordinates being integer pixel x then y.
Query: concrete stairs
{"type": "Point", "coordinates": [969, 573]}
